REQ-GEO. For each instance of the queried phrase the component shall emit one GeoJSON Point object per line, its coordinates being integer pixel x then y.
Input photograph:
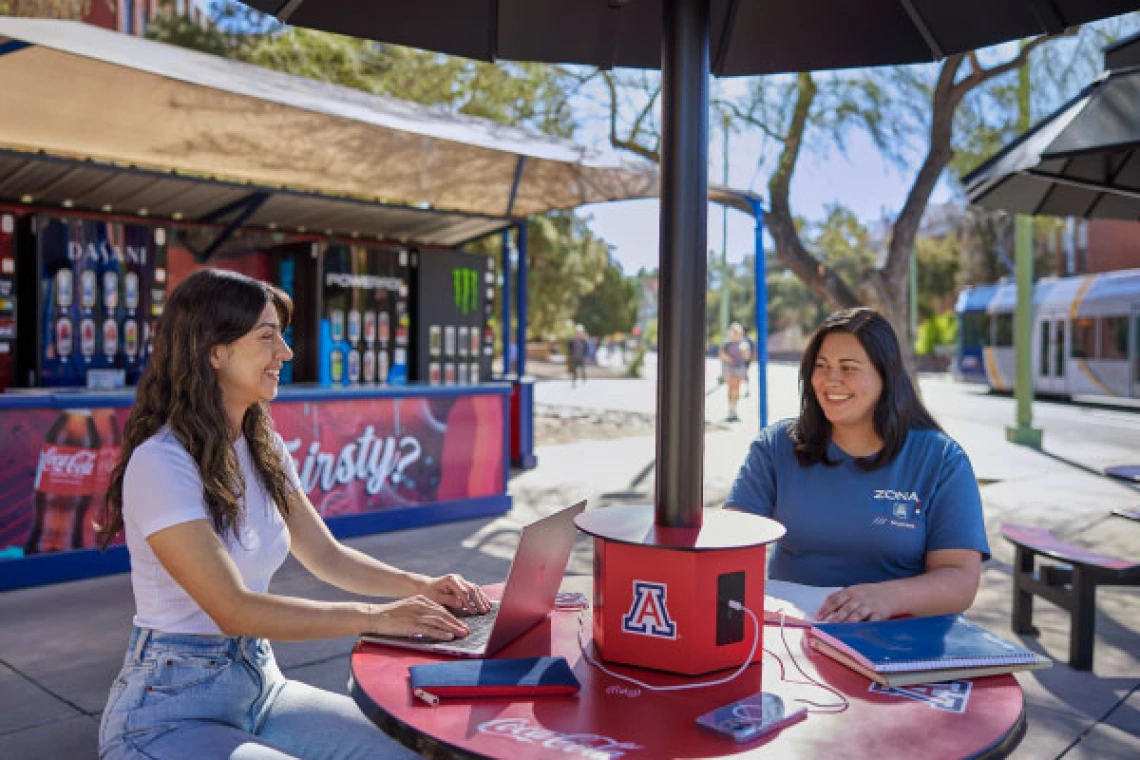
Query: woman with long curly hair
{"type": "Point", "coordinates": [876, 499]}
{"type": "Point", "coordinates": [211, 505]}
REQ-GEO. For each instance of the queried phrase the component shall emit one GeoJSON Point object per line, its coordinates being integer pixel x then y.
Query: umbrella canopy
{"type": "Point", "coordinates": [1081, 161]}
{"type": "Point", "coordinates": [745, 36]}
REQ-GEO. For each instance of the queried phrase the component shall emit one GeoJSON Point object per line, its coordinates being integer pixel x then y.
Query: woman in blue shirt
{"type": "Point", "coordinates": [875, 497]}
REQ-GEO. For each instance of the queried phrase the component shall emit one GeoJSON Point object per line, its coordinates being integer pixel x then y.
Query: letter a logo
{"type": "Point", "coordinates": [648, 615]}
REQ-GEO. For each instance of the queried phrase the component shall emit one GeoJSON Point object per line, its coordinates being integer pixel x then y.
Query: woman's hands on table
{"type": "Point", "coordinates": [866, 601]}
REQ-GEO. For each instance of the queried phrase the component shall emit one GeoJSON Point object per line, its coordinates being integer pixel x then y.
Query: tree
{"type": "Point", "coordinates": [533, 94]}
{"type": "Point", "coordinates": [807, 112]}
{"type": "Point", "coordinates": [173, 28]}
{"type": "Point", "coordinates": [65, 9]}
{"type": "Point", "coordinates": [885, 287]}
{"type": "Point", "coordinates": [938, 261]}
{"type": "Point", "coordinates": [565, 260]}
{"type": "Point", "coordinates": [611, 307]}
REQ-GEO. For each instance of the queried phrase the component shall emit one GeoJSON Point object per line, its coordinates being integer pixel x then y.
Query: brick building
{"type": "Point", "coordinates": [1112, 245]}
{"type": "Point", "coordinates": [134, 16]}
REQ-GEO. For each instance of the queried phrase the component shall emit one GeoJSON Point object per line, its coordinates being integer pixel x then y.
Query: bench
{"type": "Point", "coordinates": [1070, 585]}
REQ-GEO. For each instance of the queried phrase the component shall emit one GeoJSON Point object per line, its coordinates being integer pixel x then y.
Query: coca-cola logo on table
{"type": "Point", "coordinates": [592, 746]}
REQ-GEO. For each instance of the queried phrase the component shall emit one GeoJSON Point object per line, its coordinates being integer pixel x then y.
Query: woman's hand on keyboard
{"type": "Point", "coordinates": [415, 617]}
{"type": "Point", "coordinates": [456, 592]}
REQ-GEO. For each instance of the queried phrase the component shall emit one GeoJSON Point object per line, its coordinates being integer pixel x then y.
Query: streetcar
{"type": "Point", "coordinates": [1086, 336]}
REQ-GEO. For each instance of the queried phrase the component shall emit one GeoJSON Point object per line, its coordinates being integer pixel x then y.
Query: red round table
{"type": "Point", "coordinates": [611, 718]}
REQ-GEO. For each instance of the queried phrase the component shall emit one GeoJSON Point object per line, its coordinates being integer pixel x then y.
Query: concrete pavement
{"type": "Point", "coordinates": [61, 645]}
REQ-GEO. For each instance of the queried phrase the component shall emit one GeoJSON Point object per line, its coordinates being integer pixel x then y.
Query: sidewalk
{"type": "Point", "coordinates": [61, 645]}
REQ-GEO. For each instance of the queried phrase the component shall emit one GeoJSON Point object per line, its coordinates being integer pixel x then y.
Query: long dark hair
{"type": "Point", "coordinates": [179, 387]}
{"type": "Point", "coordinates": [898, 410]}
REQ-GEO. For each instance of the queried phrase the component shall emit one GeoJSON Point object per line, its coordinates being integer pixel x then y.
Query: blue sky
{"type": "Point", "coordinates": [861, 180]}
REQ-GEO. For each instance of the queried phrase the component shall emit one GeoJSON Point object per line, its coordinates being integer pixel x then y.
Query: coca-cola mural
{"type": "Point", "coordinates": [353, 456]}
{"type": "Point", "coordinates": [54, 470]}
{"type": "Point", "coordinates": [368, 454]}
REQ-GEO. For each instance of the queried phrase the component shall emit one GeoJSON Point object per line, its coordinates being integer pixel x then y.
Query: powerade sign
{"type": "Point", "coordinates": [465, 289]}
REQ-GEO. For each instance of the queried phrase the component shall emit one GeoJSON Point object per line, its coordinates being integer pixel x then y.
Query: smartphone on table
{"type": "Point", "coordinates": [752, 717]}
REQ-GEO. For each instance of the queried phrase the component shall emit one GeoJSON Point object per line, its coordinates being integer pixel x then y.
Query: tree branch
{"type": "Point", "coordinates": [790, 249]}
{"type": "Point", "coordinates": [748, 118]}
{"type": "Point", "coordinates": [979, 74]}
{"type": "Point", "coordinates": [629, 144]}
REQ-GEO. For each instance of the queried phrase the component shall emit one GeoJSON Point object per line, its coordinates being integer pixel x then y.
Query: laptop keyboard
{"type": "Point", "coordinates": [480, 626]}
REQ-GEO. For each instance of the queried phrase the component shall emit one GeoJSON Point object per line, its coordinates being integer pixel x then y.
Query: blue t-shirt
{"type": "Point", "coordinates": [847, 525]}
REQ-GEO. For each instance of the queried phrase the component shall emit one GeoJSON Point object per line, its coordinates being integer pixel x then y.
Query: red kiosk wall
{"type": "Point", "coordinates": [363, 455]}
{"type": "Point", "coordinates": [354, 456]}
{"type": "Point", "coordinates": [180, 264]}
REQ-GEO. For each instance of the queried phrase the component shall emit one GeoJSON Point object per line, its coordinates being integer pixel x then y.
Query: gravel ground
{"type": "Point", "coordinates": [556, 425]}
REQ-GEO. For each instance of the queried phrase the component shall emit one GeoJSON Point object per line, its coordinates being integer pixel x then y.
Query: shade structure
{"type": "Point", "coordinates": [1081, 161]}
{"type": "Point", "coordinates": [76, 92]}
{"type": "Point", "coordinates": [687, 39]}
{"type": "Point", "coordinates": [745, 36]}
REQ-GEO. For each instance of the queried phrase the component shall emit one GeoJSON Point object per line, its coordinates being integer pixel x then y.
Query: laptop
{"type": "Point", "coordinates": [528, 596]}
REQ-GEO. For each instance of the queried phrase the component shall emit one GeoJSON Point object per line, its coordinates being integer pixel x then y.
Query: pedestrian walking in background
{"type": "Point", "coordinates": [734, 356]}
{"type": "Point", "coordinates": [579, 351]}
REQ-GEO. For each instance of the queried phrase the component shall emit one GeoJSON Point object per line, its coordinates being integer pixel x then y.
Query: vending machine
{"type": "Point", "coordinates": [363, 316]}
{"type": "Point", "coordinates": [7, 301]}
{"type": "Point", "coordinates": [455, 299]}
{"type": "Point", "coordinates": [94, 294]}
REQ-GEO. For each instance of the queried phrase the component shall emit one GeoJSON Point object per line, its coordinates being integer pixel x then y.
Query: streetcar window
{"type": "Point", "coordinates": [975, 330]}
{"type": "Point", "coordinates": [1044, 355]}
{"type": "Point", "coordinates": [1113, 338]}
{"type": "Point", "coordinates": [1059, 370]}
{"type": "Point", "coordinates": [1003, 334]}
{"type": "Point", "coordinates": [1084, 339]}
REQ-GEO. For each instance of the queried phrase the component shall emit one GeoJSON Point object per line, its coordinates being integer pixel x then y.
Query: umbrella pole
{"type": "Point", "coordinates": [669, 586]}
{"type": "Point", "coordinates": [684, 209]}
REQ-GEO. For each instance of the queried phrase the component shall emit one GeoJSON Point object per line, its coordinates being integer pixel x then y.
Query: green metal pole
{"type": "Point", "coordinates": [725, 279]}
{"type": "Point", "coordinates": [1023, 432]}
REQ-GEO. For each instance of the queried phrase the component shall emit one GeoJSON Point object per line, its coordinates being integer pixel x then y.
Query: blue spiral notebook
{"type": "Point", "coordinates": [922, 650]}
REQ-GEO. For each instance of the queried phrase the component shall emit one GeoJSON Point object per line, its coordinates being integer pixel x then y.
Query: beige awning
{"type": "Point", "coordinates": [85, 97]}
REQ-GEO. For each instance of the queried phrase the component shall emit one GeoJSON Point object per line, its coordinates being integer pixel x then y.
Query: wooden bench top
{"type": "Point", "coordinates": [1042, 541]}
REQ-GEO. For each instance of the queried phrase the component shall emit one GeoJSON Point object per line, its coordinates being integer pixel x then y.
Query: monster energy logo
{"type": "Point", "coordinates": [465, 284]}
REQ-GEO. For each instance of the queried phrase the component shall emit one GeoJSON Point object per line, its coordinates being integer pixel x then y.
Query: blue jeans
{"type": "Point", "coordinates": [187, 696]}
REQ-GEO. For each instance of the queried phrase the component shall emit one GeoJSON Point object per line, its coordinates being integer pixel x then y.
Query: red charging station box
{"type": "Point", "coordinates": [660, 594]}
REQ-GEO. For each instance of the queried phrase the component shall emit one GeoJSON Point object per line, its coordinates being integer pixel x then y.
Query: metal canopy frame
{"type": "Point", "coordinates": [69, 185]}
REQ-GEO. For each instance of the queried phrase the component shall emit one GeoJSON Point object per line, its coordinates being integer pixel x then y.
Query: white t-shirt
{"type": "Point", "coordinates": [161, 488]}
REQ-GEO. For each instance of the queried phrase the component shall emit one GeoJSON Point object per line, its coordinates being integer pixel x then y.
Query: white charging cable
{"type": "Point", "coordinates": [823, 708]}
{"type": "Point", "coordinates": [683, 686]}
